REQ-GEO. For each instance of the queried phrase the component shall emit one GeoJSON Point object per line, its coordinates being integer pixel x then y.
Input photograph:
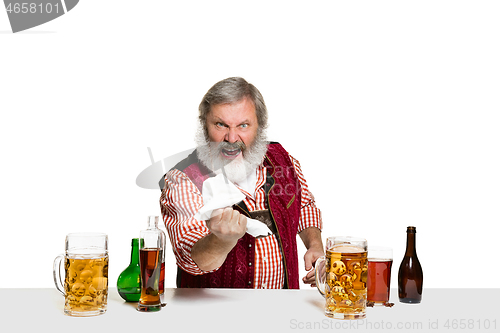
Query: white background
{"type": "Point", "coordinates": [392, 108]}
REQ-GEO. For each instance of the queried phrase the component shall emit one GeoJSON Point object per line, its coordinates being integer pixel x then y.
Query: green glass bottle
{"type": "Point", "coordinates": [129, 281]}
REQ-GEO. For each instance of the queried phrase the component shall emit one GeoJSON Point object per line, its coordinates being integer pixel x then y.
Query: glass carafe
{"type": "Point", "coordinates": [150, 260]}
{"type": "Point", "coordinates": [153, 225]}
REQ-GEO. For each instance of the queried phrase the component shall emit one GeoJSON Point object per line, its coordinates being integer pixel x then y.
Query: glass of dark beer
{"type": "Point", "coordinates": [379, 274]}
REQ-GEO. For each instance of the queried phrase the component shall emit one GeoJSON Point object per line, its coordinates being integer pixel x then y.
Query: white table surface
{"type": "Point", "coordinates": [231, 310]}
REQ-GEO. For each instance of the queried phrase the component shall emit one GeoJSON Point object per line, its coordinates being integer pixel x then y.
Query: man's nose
{"type": "Point", "coordinates": [232, 135]}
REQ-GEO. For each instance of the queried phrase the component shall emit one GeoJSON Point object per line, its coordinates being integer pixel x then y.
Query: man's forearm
{"type": "Point", "coordinates": [210, 253]}
{"type": "Point", "coordinates": [311, 237]}
{"type": "Point", "coordinates": [226, 227]}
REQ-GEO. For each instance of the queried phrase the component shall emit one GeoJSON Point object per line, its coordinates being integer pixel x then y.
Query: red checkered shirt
{"type": "Point", "coordinates": [181, 199]}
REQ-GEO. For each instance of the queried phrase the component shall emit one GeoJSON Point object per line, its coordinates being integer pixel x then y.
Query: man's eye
{"type": "Point", "coordinates": [219, 124]}
{"type": "Point", "coordinates": [244, 125]}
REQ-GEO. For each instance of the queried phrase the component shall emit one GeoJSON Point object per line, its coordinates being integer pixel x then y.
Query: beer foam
{"type": "Point", "coordinates": [347, 248]}
{"type": "Point", "coordinates": [379, 259]}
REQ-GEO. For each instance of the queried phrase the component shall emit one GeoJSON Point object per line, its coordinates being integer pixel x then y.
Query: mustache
{"type": "Point", "coordinates": [231, 146]}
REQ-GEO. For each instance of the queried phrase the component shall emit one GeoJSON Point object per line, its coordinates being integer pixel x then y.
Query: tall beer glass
{"type": "Point", "coordinates": [379, 274]}
{"type": "Point", "coordinates": [341, 277]}
{"type": "Point", "coordinates": [85, 274]}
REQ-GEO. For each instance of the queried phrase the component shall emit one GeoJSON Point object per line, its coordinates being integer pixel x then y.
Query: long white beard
{"type": "Point", "coordinates": [238, 169]}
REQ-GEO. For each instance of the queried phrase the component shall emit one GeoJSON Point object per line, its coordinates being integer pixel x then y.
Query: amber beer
{"type": "Point", "coordinates": [346, 275]}
{"type": "Point", "coordinates": [379, 275]}
{"type": "Point", "coordinates": [150, 262]}
{"type": "Point", "coordinates": [379, 280]}
{"type": "Point", "coordinates": [86, 284]}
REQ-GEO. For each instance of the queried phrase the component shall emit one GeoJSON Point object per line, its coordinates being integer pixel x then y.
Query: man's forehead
{"type": "Point", "coordinates": [244, 100]}
{"type": "Point", "coordinates": [244, 108]}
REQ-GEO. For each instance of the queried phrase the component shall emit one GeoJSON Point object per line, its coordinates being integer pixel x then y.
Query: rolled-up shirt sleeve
{"type": "Point", "coordinates": [310, 215]}
{"type": "Point", "coordinates": [180, 201]}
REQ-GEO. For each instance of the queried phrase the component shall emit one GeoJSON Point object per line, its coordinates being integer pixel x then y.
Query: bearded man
{"type": "Point", "coordinates": [218, 253]}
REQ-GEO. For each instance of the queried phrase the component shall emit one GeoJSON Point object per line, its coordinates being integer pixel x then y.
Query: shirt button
{"type": "Point", "coordinates": [249, 264]}
{"type": "Point", "coordinates": [249, 245]}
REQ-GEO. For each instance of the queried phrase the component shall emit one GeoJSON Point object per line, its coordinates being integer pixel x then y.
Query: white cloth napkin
{"type": "Point", "coordinates": [219, 192]}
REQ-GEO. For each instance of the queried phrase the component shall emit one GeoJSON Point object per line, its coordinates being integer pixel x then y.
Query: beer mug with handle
{"type": "Point", "coordinates": [341, 277]}
{"type": "Point", "coordinates": [83, 277]}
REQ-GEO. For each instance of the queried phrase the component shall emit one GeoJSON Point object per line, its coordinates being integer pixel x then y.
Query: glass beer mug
{"type": "Point", "coordinates": [341, 277]}
{"type": "Point", "coordinates": [85, 269]}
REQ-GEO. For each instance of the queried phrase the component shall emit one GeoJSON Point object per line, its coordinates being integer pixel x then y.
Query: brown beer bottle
{"type": "Point", "coordinates": [410, 276]}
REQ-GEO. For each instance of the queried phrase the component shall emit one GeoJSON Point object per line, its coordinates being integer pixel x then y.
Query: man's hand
{"type": "Point", "coordinates": [310, 260]}
{"type": "Point", "coordinates": [312, 240]}
{"type": "Point", "coordinates": [227, 224]}
{"type": "Point", "coordinates": [226, 227]}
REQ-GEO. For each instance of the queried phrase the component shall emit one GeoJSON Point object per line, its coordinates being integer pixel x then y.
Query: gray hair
{"type": "Point", "coordinates": [232, 90]}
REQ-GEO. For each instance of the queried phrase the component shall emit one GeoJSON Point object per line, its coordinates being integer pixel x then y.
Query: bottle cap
{"type": "Point", "coordinates": [411, 230]}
